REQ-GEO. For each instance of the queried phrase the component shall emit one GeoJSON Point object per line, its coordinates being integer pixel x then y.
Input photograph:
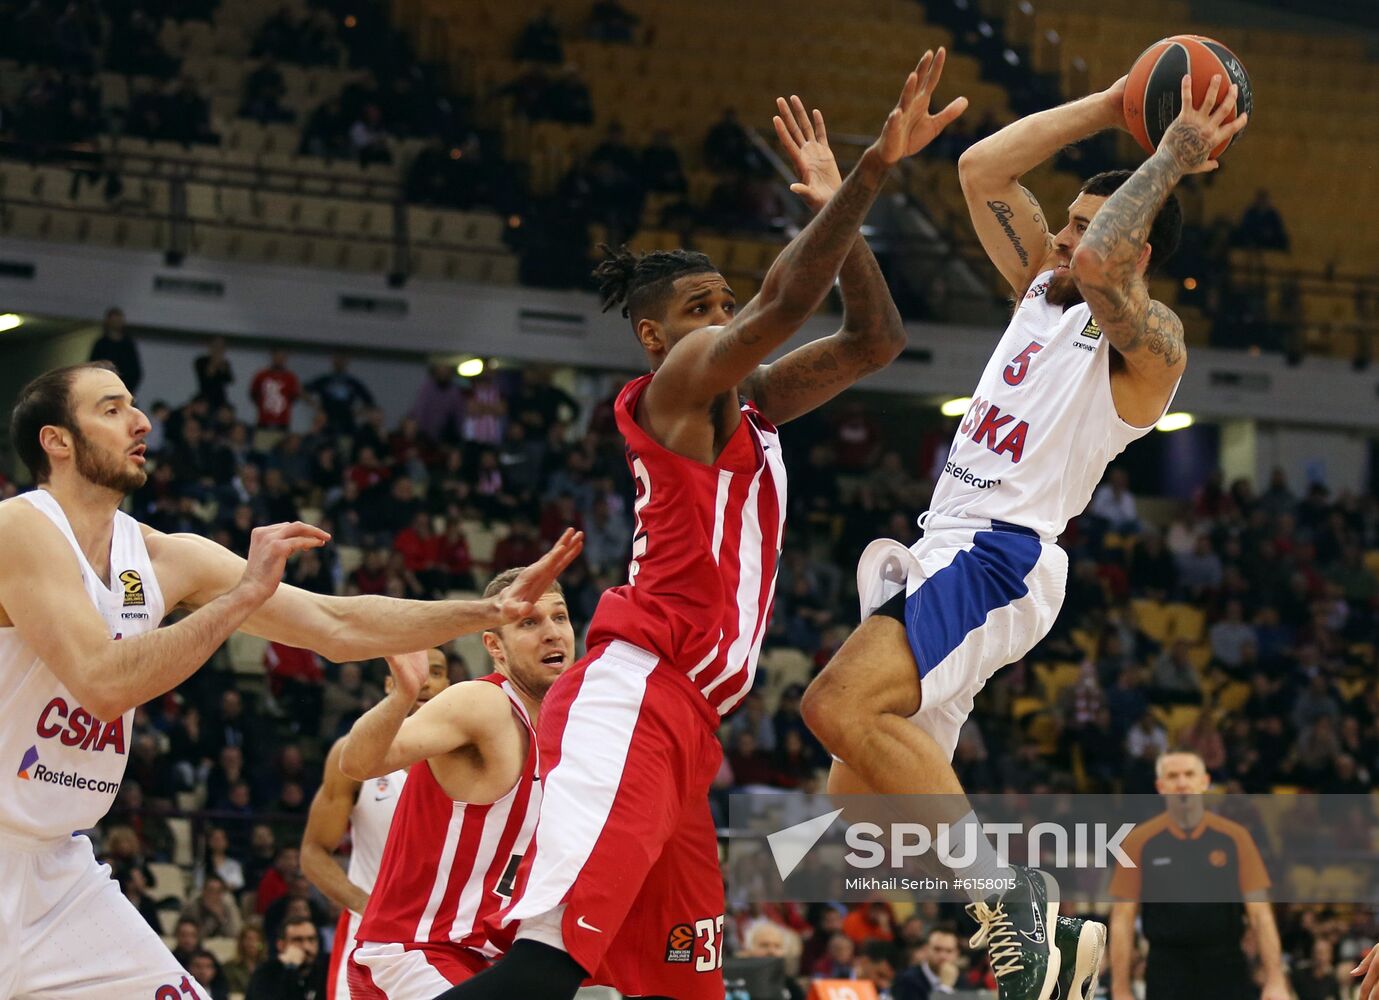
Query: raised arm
{"type": "Point", "coordinates": [326, 823]}
{"type": "Point", "coordinates": [872, 334]}
{"type": "Point", "coordinates": [386, 738]}
{"type": "Point", "coordinates": [1110, 260]}
{"type": "Point", "coordinates": [715, 360]}
{"type": "Point", "coordinates": [1009, 222]}
{"type": "Point", "coordinates": [361, 627]}
{"type": "Point", "coordinates": [43, 596]}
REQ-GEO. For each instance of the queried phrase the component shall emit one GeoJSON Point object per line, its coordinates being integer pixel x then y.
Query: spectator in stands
{"type": "Point", "coordinates": [870, 922]}
{"type": "Point", "coordinates": [186, 114]}
{"type": "Point", "coordinates": [1231, 634]}
{"type": "Point", "coordinates": [765, 938]}
{"type": "Point", "coordinates": [187, 940]}
{"type": "Point", "coordinates": [661, 170]}
{"type": "Point", "coordinates": [134, 47]}
{"type": "Point", "coordinates": [326, 133]}
{"type": "Point", "coordinates": [214, 374]}
{"type": "Point", "coordinates": [219, 863]}
{"type": "Point", "coordinates": [214, 910]}
{"type": "Point", "coordinates": [1199, 573]}
{"type": "Point", "coordinates": [520, 547]}
{"type": "Point", "coordinates": [369, 137]}
{"type": "Point", "coordinates": [249, 955]}
{"type": "Point", "coordinates": [540, 39]}
{"type": "Point", "coordinates": [1261, 227]}
{"type": "Point", "coordinates": [347, 699]}
{"type": "Point", "coordinates": [296, 901]}
{"type": "Point", "coordinates": [340, 395]}
{"type": "Point", "coordinates": [439, 406]}
{"type": "Point", "coordinates": [878, 962]}
{"type": "Point", "coordinates": [836, 961]}
{"type": "Point", "coordinates": [1175, 678]}
{"type": "Point", "coordinates": [606, 535]}
{"type": "Point", "coordinates": [264, 91]}
{"type": "Point", "coordinates": [936, 971]}
{"type": "Point", "coordinates": [296, 971]}
{"type": "Point", "coordinates": [275, 882]}
{"type": "Point", "coordinates": [275, 390]}
{"type": "Point", "coordinates": [116, 345]}
{"type": "Point", "coordinates": [1114, 504]}
{"type": "Point", "coordinates": [726, 147]}
{"type": "Point", "coordinates": [610, 21]}
{"type": "Point", "coordinates": [566, 99]}
{"type": "Point", "coordinates": [749, 763]}
{"type": "Point", "coordinates": [134, 884]}
{"type": "Point", "coordinates": [205, 969]}
{"type": "Point", "coordinates": [454, 561]}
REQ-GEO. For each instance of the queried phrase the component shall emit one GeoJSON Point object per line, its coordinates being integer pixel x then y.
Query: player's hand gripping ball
{"type": "Point", "coordinates": [1153, 91]}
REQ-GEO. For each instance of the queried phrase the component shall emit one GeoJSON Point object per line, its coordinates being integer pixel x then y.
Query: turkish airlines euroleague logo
{"type": "Point", "coordinates": [133, 588]}
{"type": "Point", "coordinates": [680, 943]}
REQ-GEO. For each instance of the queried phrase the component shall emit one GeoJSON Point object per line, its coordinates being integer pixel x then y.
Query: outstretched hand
{"type": "Point", "coordinates": [1199, 130]}
{"type": "Point", "coordinates": [269, 549]}
{"type": "Point", "coordinates": [910, 127]}
{"type": "Point", "coordinates": [806, 142]}
{"type": "Point", "coordinates": [410, 671]}
{"type": "Point", "coordinates": [519, 598]}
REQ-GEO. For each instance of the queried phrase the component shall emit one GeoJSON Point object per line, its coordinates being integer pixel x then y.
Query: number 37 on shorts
{"type": "Point", "coordinates": [699, 942]}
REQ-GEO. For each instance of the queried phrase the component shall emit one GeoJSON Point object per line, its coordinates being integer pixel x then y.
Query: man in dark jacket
{"type": "Point", "coordinates": [298, 971]}
{"type": "Point", "coordinates": [117, 346]}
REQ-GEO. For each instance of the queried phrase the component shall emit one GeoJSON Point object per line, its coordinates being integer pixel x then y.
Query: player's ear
{"type": "Point", "coordinates": [650, 335]}
{"type": "Point", "coordinates": [494, 647]}
{"type": "Point", "coordinates": [55, 440]}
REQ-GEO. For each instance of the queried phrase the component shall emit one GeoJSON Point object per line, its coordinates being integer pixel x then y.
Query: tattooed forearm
{"type": "Point", "coordinates": [872, 331]}
{"type": "Point", "coordinates": [1003, 214]}
{"type": "Point", "coordinates": [802, 275]}
{"type": "Point", "coordinates": [872, 336]}
{"type": "Point", "coordinates": [1120, 228]}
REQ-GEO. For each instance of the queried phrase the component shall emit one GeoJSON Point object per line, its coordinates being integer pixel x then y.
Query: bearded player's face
{"type": "Point", "coordinates": [109, 431]}
{"type": "Point", "coordinates": [1063, 290]}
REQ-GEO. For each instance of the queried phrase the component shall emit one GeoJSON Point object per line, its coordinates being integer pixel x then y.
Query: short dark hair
{"type": "Point", "coordinates": [1165, 233]}
{"type": "Point", "coordinates": [293, 922]}
{"type": "Point", "coordinates": [501, 582]}
{"type": "Point", "coordinates": [641, 282]}
{"type": "Point", "coordinates": [882, 951]}
{"type": "Point", "coordinates": [45, 402]}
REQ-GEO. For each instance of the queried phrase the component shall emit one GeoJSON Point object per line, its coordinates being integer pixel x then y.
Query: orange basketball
{"type": "Point", "coordinates": [1154, 91]}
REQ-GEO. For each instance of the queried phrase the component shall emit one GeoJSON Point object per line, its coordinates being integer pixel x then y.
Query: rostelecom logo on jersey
{"type": "Point", "coordinates": [133, 588]}
{"type": "Point", "coordinates": [29, 759]}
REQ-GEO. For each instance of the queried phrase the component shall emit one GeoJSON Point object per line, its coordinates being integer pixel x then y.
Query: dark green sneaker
{"type": "Point", "coordinates": [1017, 927]}
{"type": "Point", "coordinates": [1080, 944]}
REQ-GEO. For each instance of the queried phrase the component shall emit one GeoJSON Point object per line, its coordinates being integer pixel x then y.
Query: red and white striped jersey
{"type": "Point", "coordinates": [449, 865]}
{"type": "Point", "coordinates": [704, 553]}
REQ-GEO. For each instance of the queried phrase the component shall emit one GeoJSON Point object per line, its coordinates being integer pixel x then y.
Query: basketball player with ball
{"type": "Point", "coordinates": [1088, 363]}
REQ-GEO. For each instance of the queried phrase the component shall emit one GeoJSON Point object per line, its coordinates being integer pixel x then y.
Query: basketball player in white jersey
{"type": "Point", "coordinates": [1088, 364]}
{"type": "Point", "coordinates": [82, 591]}
{"type": "Point", "coordinates": [365, 809]}
{"type": "Point", "coordinates": [467, 812]}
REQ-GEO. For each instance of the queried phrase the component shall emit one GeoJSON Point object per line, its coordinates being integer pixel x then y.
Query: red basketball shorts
{"type": "Point", "coordinates": [625, 842]}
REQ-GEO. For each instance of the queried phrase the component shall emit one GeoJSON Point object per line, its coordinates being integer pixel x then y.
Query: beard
{"type": "Point", "coordinates": [1063, 291]}
{"type": "Point", "coordinates": [105, 470]}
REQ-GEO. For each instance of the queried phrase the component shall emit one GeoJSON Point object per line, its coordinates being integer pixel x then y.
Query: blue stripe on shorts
{"type": "Point", "coordinates": [959, 597]}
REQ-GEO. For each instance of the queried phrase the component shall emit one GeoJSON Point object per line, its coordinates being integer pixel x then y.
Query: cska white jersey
{"type": "Point", "coordinates": [60, 767]}
{"type": "Point", "coordinates": [369, 821]}
{"type": "Point", "coordinates": [1042, 426]}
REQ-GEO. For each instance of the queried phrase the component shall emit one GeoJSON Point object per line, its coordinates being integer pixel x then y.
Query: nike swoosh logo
{"type": "Point", "coordinates": [581, 922]}
{"type": "Point", "coordinates": [1035, 938]}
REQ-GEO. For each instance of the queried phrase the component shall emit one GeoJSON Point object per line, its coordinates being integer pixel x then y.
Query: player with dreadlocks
{"type": "Point", "coordinates": [622, 883]}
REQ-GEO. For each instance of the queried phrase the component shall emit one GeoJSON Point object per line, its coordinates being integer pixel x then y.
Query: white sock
{"type": "Point", "coordinates": [984, 875]}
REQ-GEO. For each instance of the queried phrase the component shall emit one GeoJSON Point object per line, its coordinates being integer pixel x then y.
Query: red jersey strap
{"type": "Point", "coordinates": [742, 453]}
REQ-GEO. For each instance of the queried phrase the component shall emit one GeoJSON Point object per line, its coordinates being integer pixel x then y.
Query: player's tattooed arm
{"type": "Point", "coordinates": [871, 337]}
{"type": "Point", "coordinates": [798, 281]}
{"type": "Point", "coordinates": [1108, 261]}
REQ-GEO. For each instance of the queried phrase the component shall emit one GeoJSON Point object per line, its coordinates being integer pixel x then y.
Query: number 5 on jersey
{"type": "Point", "coordinates": [1019, 366]}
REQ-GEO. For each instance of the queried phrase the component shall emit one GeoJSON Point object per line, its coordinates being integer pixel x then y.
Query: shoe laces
{"type": "Point", "coordinates": [997, 932]}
